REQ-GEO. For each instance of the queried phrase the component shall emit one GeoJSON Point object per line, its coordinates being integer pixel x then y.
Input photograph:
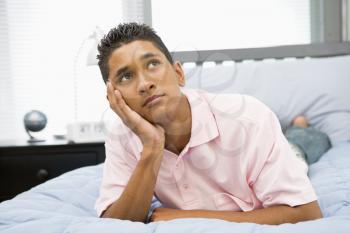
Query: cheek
{"type": "Point", "coordinates": [164, 73]}
{"type": "Point", "coordinates": [132, 102]}
{"type": "Point", "coordinates": [169, 80]}
{"type": "Point", "coordinates": [135, 105]}
{"type": "Point", "coordinates": [129, 97]}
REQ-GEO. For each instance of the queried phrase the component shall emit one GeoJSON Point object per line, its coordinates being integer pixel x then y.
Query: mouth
{"type": "Point", "coordinates": [152, 99]}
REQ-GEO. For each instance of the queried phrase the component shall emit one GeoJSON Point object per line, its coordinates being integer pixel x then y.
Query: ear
{"type": "Point", "coordinates": [179, 73]}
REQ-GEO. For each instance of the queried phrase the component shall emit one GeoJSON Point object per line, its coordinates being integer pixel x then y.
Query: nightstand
{"type": "Point", "coordinates": [24, 165]}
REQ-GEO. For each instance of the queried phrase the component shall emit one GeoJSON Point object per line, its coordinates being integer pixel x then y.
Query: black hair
{"type": "Point", "coordinates": [123, 34]}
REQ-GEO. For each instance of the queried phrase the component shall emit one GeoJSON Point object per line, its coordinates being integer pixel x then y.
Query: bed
{"type": "Point", "coordinates": [312, 80]}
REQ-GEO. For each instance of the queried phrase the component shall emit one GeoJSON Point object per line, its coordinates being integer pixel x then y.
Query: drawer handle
{"type": "Point", "coordinates": [42, 175]}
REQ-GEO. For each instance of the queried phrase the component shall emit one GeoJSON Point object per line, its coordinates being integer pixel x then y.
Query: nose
{"type": "Point", "coordinates": [146, 85]}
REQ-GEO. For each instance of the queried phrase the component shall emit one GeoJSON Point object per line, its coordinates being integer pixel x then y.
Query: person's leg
{"type": "Point", "coordinates": [309, 142]}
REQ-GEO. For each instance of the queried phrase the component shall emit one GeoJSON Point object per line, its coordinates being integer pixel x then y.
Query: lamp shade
{"type": "Point", "coordinates": [92, 54]}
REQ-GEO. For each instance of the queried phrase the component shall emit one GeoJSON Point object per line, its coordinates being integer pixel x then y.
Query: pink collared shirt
{"type": "Point", "coordinates": [237, 159]}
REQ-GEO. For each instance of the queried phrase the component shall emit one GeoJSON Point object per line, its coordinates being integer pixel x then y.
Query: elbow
{"type": "Point", "coordinates": [105, 215]}
{"type": "Point", "coordinates": [109, 213]}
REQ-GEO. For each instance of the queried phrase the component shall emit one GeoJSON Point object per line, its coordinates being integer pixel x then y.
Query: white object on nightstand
{"type": "Point", "coordinates": [86, 132]}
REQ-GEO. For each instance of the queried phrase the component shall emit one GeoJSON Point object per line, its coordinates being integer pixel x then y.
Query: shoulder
{"type": "Point", "coordinates": [235, 106]}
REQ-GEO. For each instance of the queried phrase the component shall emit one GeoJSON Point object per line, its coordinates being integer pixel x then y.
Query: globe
{"type": "Point", "coordinates": [34, 121]}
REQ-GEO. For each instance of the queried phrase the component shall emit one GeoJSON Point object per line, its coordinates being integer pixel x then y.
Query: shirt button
{"type": "Point", "coordinates": [185, 186]}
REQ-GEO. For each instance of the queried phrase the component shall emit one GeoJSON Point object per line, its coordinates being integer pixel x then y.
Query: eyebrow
{"type": "Point", "coordinates": [121, 70]}
{"type": "Point", "coordinates": [148, 55]}
{"type": "Point", "coordinates": [143, 57]}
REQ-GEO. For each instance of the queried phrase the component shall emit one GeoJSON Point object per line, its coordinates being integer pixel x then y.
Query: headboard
{"type": "Point", "coordinates": [278, 52]}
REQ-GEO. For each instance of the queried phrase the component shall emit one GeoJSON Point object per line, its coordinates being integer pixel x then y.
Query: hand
{"type": "Point", "coordinates": [164, 214]}
{"type": "Point", "coordinates": [151, 136]}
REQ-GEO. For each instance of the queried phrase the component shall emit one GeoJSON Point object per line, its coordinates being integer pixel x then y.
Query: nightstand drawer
{"type": "Point", "coordinates": [19, 173]}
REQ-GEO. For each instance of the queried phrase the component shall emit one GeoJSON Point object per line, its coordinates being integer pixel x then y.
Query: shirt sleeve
{"type": "Point", "coordinates": [280, 176]}
{"type": "Point", "coordinates": [118, 167]}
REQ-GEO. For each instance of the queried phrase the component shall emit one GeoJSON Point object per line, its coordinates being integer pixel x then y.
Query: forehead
{"type": "Point", "coordinates": [132, 51]}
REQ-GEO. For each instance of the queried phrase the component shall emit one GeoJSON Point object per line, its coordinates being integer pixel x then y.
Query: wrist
{"type": "Point", "coordinates": [151, 152]}
{"type": "Point", "coordinates": [153, 147]}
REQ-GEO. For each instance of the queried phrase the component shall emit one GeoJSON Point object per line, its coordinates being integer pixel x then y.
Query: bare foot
{"type": "Point", "coordinates": [300, 121]}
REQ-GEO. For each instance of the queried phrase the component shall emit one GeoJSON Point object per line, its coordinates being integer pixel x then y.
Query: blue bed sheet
{"type": "Point", "coordinates": [65, 204]}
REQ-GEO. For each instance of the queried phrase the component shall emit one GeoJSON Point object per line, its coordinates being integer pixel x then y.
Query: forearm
{"type": "Point", "coordinates": [134, 202]}
{"type": "Point", "coordinates": [272, 215]}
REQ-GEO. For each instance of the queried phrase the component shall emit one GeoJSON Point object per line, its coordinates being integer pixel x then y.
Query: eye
{"type": "Point", "coordinates": [152, 64]}
{"type": "Point", "coordinates": [125, 77]}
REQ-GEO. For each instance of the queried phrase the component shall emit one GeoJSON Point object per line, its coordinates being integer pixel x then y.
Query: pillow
{"type": "Point", "coordinates": [314, 87]}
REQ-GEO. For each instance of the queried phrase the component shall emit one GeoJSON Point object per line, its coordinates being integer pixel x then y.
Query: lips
{"type": "Point", "coordinates": [150, 99]}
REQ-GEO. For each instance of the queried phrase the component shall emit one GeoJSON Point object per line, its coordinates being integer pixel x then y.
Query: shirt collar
{"type": "Point", "coordinates": [204, 127]}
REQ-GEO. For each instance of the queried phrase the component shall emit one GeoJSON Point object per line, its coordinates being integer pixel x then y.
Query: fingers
{"type": "Point", "coordinates": [110, 95]}
{"type": "Point", "coordinates": [130, 118]}
{"type": "Point", "coordinates": [109, 92]}
{"type": "Point", "coordinates": [116, 101]}
{"type": "Point", "coordinates": [118, 104]}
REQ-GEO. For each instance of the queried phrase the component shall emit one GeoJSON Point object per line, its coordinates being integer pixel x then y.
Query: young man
{"type": "Point", "coordinates": [218, 156]}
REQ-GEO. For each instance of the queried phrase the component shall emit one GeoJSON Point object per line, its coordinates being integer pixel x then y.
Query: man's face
{"type": "Point", "coordinates": [147, 81]}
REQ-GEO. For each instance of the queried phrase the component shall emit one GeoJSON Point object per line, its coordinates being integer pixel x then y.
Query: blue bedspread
{"type": "Point", "coordinates": [65, 204]}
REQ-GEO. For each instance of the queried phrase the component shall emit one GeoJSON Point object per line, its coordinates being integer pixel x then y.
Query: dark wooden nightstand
{"type": "Point", "coordinates": [24, 165]}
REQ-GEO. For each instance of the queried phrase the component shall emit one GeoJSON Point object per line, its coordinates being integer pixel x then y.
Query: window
{"type": "Point", "coordinates": [226, 24]}
{"type": "Point", "coordinates": [44, 45]}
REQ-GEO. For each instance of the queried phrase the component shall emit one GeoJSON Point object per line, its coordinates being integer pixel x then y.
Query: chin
{"type": "Point", "coordinates": [158, 115]}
